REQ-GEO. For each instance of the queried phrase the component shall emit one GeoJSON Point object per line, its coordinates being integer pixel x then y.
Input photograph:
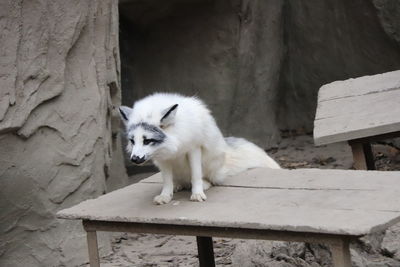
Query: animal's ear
{"type": "Point", "coordinates": [125, 113]}
{"type": "Point", "coordinates": [168, 116]}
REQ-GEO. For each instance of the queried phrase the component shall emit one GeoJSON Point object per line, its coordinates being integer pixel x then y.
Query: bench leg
{"type": "Point", "coordinates": [94, 259]}
{"type": "Point", "coordinates": [341, 254]}
{"type": "Point", "coordinates": [206, 251]}
{"type": "Point", "coordinates": [362, 156]}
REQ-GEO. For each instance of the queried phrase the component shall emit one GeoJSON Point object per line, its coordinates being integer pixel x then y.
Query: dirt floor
{"type": "Point", "coordinates": [297, 151]}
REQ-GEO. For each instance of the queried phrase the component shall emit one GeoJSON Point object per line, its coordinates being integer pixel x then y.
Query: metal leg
{"type": "Point", "coordinates": [206, 251]}
{"type": "Point", "coordinates": [369, 156]}
{"type": "Point", "coordinates": [341, 254]}
{"type": "Point", "coordinates": [94, 259]}
{"type": "Point", "coordinates": [362, 155]}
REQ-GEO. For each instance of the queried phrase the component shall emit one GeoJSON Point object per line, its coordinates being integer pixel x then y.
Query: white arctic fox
{"type": "Point", "coordinates": [181, 137]}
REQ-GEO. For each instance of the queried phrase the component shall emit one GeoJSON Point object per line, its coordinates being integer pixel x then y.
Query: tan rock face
{"type": "Point", "coordinates": [59, 81]}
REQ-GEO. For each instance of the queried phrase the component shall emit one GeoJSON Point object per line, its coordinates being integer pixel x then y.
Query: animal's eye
{"type": "Point", "coordinates": [149, 141]}
{"type": "Point", "coordinates": [132, 141]}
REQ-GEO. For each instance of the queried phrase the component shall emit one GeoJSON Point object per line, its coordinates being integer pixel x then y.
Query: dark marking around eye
{"type": "Point", "coordinates": [157, 133]}
{"type": "Point", "coordinates": [150, 141]}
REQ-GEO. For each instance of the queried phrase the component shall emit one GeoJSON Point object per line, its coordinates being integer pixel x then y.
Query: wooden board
{"type": "Point", "coordinates": [358, 108]}
{"type": "Point", "coordinates": [310, 179]}
{"type": "Point", "coordinates": [266, 199]}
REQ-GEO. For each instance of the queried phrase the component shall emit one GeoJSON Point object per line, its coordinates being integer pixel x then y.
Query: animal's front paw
{"type": "Point", "coordinates": [162, 199]}
{"type": "Point", "coordinates": [198, 197]}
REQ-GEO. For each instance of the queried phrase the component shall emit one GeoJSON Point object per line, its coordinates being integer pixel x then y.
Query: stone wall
{"type": "Point", "coordinates": [226, 52]}
{"type": "Point", "coordinates": [332, 40]}
{"type": "Point", "coordinates": [59, 80]}
{"type": "Point", "coordinates": [257, 64]}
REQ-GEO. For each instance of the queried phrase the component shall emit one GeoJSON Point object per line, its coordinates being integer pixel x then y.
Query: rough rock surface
{"type": "Point", "coordinates": [59, 80]}
{"type": "Point", "coordinates": [221, 51]}
{"type": "Point", "coordinates": [327, 41]}
{"type": "Point", "coordinates": [391, 241]}
{"type": "Point", "coordinates": [389, 17]}
{"type": "Point", "coordinates": [255, 61]}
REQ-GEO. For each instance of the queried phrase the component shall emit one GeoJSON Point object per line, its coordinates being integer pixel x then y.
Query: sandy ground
{"type": "Point", "coordinates": [292, 152]}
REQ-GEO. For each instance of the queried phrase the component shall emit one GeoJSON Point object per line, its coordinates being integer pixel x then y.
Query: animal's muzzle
{"type": "Point", "coordinates": [138, 160]}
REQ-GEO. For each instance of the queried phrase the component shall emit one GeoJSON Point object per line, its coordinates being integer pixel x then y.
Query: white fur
{"type": "Point", "coordinates": [194, 154]}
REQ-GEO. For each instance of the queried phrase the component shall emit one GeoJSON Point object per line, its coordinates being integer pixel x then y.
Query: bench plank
{"type": "Point", "coordinates": [352, 212]}
{"type": "Point", "coordinates": [358, 108]}
{"type": "Point", "coordinates": [360, 86]}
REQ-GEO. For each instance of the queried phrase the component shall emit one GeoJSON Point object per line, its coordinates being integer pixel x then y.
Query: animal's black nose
{"type": "Point", "coordinates": [137, 160]}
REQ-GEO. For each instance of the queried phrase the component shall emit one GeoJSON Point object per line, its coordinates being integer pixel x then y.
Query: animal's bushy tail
{"type": "Point", "coordinates": [242, 155]}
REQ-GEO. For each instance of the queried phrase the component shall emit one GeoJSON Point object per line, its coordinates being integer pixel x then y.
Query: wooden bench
{"type": "Point", "coordinates": [359, 111]}
{"type": "Point", "coordinates": [308, 205]}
